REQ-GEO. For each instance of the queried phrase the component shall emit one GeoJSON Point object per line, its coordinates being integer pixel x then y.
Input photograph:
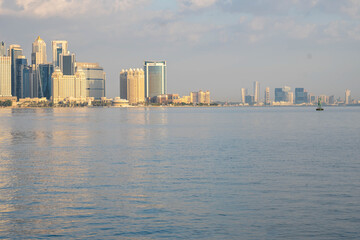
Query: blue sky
{"type": "Point", "coordinates": [216, 45]}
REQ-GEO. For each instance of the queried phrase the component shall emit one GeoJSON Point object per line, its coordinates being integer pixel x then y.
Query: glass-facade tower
{"type": "Point", "coordinates": [155, 78]}
{"type": "Point", "coordinates": [45, 83]}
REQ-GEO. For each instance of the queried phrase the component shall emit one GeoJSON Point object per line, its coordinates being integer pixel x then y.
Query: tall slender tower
{"type": "Point", "coordinates": [14, 52]}
{"type": "Point", "coordinates": [155, 78]}
{"type": "Point", "coordinates": [2, 49]}
{"type": "Point", "coordinates": [267, 96]}
{"type": "Point", "coordinates": [347, 96]}
{"type": "Point", "coordinates": [243, 94]}
{"type": "Point", "coordinates": [5, 76]}
{"type": "Point", "coordinates": [38, 55]}
{"type": "Point", "coordinates": [58, 47]}
{"type": "Point", "coordinates": [256, 92]}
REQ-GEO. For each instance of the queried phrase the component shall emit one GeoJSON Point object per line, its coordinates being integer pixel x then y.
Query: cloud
{"type": "Point", "coordinates": [257, 24]}
{"type": "Point", "coordinates": [65, 8]}
{"type": "Point", "coordinates": [196, 4]}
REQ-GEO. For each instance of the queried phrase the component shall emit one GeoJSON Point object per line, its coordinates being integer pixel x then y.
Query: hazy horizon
{"type": "Point", "coordinates": [221, 46]}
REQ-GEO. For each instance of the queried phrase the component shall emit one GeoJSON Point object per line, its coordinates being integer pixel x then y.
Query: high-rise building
{"type": "Point", "coordinates": [132, 85]}
{"type": "Point", "coordinates": [2, 49]}
{"type": "Point", "coordinates": [249, 99]}
{"type": "Point", "coordinates": [155, 78]}
{"type": "Point", "coordinates": [14, 52]}
{"type": "Point", "coordinates": [243, 94]}
{"type": "Point", "coordinates": [301, 96]}
{"type": "Point", "coordinates": [256, 92]}
{"type": "Point", "coordinates": [323, 99]}
{"type": "Point", "coordinates": [347, 96]}
{"type": "Point", "coordinates": [72, 87]}
{"type": "Point", "coordinates": [200, 97]}
{"type": "Point", "coordinates": [95, 79]}
{"type": "Point", "coordinates": [283, 94]}
{"type": "Point", "coordinates": [45, 72]}
{"type": "Point", "coordinates": [5, 76]}
{"type": "Point", "coordinates": [38, 55]}
{"type": "Point", "coordinates": [21, 76]}
{"type": "Point", "coordinates": [67, 63]}
{"type": "Point", "coordinates": [267, 96]}
{"type": "Point", "coordinates": [332, 99]}
{"type": "Point", "coordinates": [58, 47]}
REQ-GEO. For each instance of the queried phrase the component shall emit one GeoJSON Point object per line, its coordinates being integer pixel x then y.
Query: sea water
{"type": "Point", "coordinates": [180, 173]}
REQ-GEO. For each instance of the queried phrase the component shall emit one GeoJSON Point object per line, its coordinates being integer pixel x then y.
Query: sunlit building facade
{"type": "Point", "coordinates": [38, 55]}
{"type": "Point", "coordinates": [132, 85]}
{"type": "Point", "coordinates": [200, 97]}
{"type": "Point", "coordinates": [58, 47]}
{"type": "Point", "coordinates": [347, 96]}
{"type": "Point", "coordinates": [5, 76]}
{"type": "Point", "coordinates": [68, 86]}
{"type": "Point", "coordinates": [267, 96]}
{"type": "Point", "coordinates": [256, 92]}
{"type": "Point", "coordinates": [2, 49]}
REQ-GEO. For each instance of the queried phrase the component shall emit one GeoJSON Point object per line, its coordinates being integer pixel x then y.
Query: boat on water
{"type": "Point", "coordinates": [319, 108]}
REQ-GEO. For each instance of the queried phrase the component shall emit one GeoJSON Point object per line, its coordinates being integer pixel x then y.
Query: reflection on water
{"type": "Point", "coordinates": [179, 173]}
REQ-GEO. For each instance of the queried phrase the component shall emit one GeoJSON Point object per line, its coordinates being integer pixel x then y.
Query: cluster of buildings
{"type": "Point", "coordinates": [284, 96]}
{"type": "Point", "coordinates": [149, 85]}
{"type": "Point", "coordinates": [62, 79]}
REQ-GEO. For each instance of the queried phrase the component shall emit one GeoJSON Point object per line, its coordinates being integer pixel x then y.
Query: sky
{"type": "Point", "coordinates": [216, 45]}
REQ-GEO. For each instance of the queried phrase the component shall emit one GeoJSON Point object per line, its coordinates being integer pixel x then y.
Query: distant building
{"type": "Point", "coordinates": [332, 99]}
{"type": "Point", "coordinates": [323, 99]}
{"type": "Point", "coordinates": [200, 97]}
{"type": "Point", "coordinates": [283, 95]}
{"type": "Point", "coordinates": [155, 78]}
{"type": "Point", "coordinates": [38, 55]}
{"type": "Point", "coordinates": [243, 94]}
{"type": "Point", "coordinates": [5, 76]}
{"type": "Point", "coordinates": [2, 49]}
{"type": "Point", "coordinates": [95, 79]}
{"type": "Point", "coordinates": [14, 52]}
{"type": "Point", "coordinates": [301, 96]}
{"type": "Point", "coordinates": [347, 96]}
{"type": "Point", "coordinates": [267, 96]}
{"type": "Point", "coordinates": [256, 92]}
{"type": "Point", "coordinates": [58, 47]}
{"type": "Point", "coordinates": [249, 99]}
{"type": "Point", "coordinates": [67, 63]}
{"type": "Point", "coordinates": [132, 85]}
{"type": "Point", "coordinates": [71, 87]}
{"type": "Point", "coordinates": [45, 80]}
{"type": "Point", "coordinates": [21, 76]}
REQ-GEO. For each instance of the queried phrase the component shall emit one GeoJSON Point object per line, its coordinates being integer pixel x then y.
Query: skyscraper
{"type": "Point", "coordinates": [21, 76]}
{"type": "Point", "coordinates": [95, 79]}
{"type": "Point", "coordinates": [5, 76]}
{"type": "Point", "coordinates": [58, 47]}
{"type": "Point", "coordinates": [132, 85]}
{"type": "Point", "coordinates": [283, 94]}
{"type": "Point", "coordinates": [67, 63]}
{"type": "Point", "coordinates": [155, 78]}
{"type": "Point", "coordinates": [2, 49]}
{"type": "Point", "coordinates": [45, 72]}
{"type": "Point", "coordinates": [14, 52]}
{"type": "Point", "coordinates": [243, 94]}
{"type": "Point", "coordinates": [347, 96]}
{"type": "Point", "coordinates": [267, 96]}
{"type": "Point", "coordinates": [38, 55]}
{"type": "Point", "coordinates": [301, 96]}
{"type": "Point", "coordinates": [256, 92]}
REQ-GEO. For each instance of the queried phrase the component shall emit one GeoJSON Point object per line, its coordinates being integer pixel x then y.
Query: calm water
{"type": "Point", "coordinates": [180, 173]}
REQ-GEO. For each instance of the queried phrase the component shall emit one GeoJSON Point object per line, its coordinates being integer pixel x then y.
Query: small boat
{"type": "Point", "coordinates": [319, 108]}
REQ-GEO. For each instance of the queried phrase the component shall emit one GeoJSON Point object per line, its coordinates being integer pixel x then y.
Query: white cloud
{"type": "Point", "coordinates": [352, 8]}
{"type": "Point", "coordinates": [196, 4]}
{"type": "Point", "coordinates": [67, 8]}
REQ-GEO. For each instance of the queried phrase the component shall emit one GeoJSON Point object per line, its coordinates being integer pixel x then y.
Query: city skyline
{"type": "Point", "coordinates": [310, 44]}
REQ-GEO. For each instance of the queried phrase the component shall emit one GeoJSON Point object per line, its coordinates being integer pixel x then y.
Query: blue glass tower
{"type": "Point", "coordinates": [45, 83]}
{"type": "Point", "coordinates": [21, 77]}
